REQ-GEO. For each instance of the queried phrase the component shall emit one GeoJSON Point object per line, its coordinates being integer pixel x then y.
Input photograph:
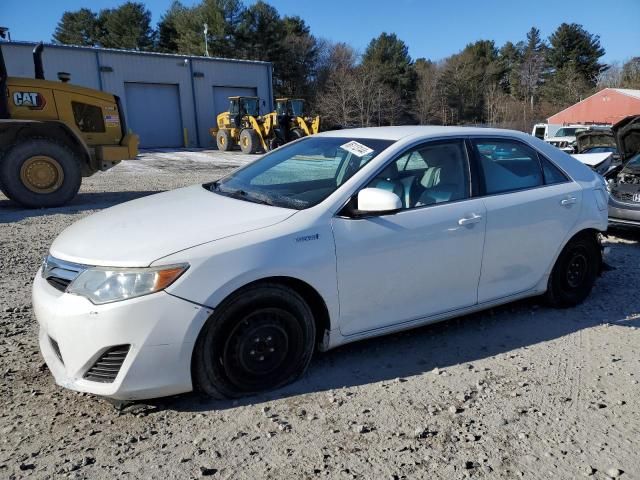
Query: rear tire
{"type": "Point", "coordinates": [259, 339]}
{"type": "Point", "coordinates": [40, 173]}
{"type": "Point", "coordinates": [249, 141]}
{"type": "Point", "coordinates": [574, 273]}
{"type": "Point", "coordinates": [224, 140]}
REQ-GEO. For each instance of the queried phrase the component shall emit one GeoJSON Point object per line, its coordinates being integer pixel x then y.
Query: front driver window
{"type": "Point", "coordinates": [429, 174]}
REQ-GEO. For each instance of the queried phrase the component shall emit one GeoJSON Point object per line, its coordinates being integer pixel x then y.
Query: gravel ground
{"type": "Point", "coordinates": [517, 391]}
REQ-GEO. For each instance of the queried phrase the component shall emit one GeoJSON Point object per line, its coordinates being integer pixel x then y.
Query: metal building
{"type": "Point", "coordinates": [608, 106]}
{"type": "Point", "coordinates": [169, 100]}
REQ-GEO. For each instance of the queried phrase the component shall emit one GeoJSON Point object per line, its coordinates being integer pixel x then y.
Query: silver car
{"type": "Point", "coordinates": [624, 181]}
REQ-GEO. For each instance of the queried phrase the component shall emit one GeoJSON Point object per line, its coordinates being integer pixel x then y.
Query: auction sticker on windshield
{"type": "Point", "coordinates": [358, 149]}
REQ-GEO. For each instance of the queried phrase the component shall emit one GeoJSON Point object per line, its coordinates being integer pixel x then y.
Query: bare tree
{"type": "Point", "coordinates": [336, 101]}
{"type": "Point", "coordinates": [611, 77]}
{"type": "Point", "coordinates": [427, 98]}
{"type": "Point", "coordinates": [357, 97]}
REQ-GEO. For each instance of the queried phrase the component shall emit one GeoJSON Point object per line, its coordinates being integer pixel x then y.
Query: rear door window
{"type": "Point", "coordinates": [507, 165]}
{"type": "Point", "coordinates": [552, 174]}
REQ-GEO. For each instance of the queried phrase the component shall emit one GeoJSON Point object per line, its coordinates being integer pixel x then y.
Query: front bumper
{"type": "Point", "coordinates": [159, 328]}
{"type": "Point", "coordinates": [623, 214]}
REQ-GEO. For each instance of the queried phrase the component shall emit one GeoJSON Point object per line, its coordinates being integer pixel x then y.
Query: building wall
{"type": "Point", "coordinates": [109, 70]}
{"type": "Point", "coordinates": [608, 106]}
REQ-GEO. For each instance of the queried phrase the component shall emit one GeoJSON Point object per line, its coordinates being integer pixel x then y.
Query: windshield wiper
{"type": "Point", "coordinates": [243, 195]}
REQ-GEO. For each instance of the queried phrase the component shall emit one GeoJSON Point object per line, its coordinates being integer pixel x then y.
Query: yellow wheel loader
{"type": "Point", "coordinates": [291, 121]}
{"type": "Point", "coordinates": [54, 133]}
{"type": "Point", "coordinates": [242, 125]}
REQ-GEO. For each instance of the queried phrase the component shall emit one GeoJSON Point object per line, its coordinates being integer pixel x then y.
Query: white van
{"type": "Point", "coordinates": [545, 130]}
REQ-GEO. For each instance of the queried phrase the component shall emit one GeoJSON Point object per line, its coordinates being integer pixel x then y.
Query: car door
{"type": "Point", "coordinates": [530, 205]}
{"type": "Point", "coordinates": [424, 259]}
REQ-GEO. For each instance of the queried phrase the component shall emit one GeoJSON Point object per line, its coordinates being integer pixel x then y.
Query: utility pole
{"type": "Point", "coordinates": [206, 46]}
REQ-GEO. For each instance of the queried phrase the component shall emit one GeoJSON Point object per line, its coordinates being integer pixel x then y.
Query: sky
{"type": "Point", "coordinates": [431, 29]}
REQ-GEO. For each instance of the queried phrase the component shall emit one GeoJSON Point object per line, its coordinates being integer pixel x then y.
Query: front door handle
{"type": "Point", "coordinates": [568, 201]}
{"type": "Point", "coordinates": [474, 218]}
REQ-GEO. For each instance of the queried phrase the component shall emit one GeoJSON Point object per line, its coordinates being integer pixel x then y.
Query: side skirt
{"type": "Point", "coordinates": [335, 338]}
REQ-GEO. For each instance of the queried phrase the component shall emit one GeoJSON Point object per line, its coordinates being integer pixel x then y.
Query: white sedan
{"type": "Point", "coordinates": [230, 287]}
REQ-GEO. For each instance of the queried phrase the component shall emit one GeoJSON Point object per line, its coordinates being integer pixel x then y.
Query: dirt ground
{"type": "Point", "coordinates": [520, 391]}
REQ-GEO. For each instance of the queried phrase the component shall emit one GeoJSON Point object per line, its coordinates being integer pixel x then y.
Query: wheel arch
{"type": "Point", "coordinates": [589, 232]}
{"type": "Point", "coordinates": [12, 132]}
{"type": "Point", "coordinates": [310, 295]}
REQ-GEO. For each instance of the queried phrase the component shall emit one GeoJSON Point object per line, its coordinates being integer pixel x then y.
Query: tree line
{"type": "Point", "coordinates": [513, 85]}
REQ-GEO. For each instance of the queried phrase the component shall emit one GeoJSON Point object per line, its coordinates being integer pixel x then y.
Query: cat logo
{"type": "Point", "coordinates": [32, 100]}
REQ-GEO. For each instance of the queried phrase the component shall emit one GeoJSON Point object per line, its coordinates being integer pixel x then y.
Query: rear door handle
{"type": "Point", "coordinates": [567, 202]}
{"type": "Point", "coordinates": [474, 218]}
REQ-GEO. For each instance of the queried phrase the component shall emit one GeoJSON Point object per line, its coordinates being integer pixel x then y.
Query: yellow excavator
{"type": "Point", "coordinates": [54, 133]}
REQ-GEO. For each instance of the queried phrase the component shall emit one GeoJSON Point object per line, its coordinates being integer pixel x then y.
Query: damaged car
{"type": "Point", "coordinates": [623, 182]}
{"type": "Point", "coordinates": [597, 149]}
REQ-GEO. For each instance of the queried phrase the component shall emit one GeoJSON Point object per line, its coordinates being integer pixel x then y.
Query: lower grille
{"type": "Point", "coordinates": [106, 368]}
{"type": "Point", "coordinates": [56, 349]}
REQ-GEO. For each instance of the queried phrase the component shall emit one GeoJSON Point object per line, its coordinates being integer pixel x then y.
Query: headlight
{"type": "Point", "coordinates": [104, 285]}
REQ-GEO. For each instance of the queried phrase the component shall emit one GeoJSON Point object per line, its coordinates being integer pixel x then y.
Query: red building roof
{"type": "Point", "coordinates": [607, 106]}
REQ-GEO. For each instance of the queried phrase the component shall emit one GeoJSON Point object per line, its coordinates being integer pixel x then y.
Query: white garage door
{"type": "Point", "coordinates": [221, 97]}
{"type": "Point", "coordinates": [153, 112]}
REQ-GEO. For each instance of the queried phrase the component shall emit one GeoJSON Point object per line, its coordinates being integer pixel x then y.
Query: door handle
{"type": "Point", "coordinates": [567, 202]}
{"type": "Point", "coordinates": [474, 218]}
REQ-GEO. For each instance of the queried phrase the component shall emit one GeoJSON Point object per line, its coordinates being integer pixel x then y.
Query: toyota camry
{"type": "Point", "coordinates": [231, 286]}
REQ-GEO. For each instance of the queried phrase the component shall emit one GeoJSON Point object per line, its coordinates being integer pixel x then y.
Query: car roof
{"type": "Point", "coordinates": [426, 131]}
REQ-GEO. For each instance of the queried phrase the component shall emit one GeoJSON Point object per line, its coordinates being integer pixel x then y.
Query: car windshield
{"type": "Point", "coordinates": [567, 132]}
{"type": "Point", "coordinates": [302, 174]}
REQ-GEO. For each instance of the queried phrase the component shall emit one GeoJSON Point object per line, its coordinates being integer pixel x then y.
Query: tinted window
{"type": "Point", "coordinates": [508, 166]}
{"type": "Point", "coordinates": [426, 175]}
{"type": "Point", "coordinates": [552, 174]}
{"type": "Point", "coordinates": [88, 118]}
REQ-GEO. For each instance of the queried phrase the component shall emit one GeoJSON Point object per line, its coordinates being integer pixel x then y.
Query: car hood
{"type": "Point", "coordinates": [592, 139]}
{"type": "Point", "coordinates": [136, 233]}
{"type": "Point", "coordinates": [598, 162]}
{"type": "Point", "coordinates": [627, 133]}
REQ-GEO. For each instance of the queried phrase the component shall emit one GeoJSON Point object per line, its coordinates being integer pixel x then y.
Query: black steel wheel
{"type": "Point", "coordinates": [259, 339]}
{"type": "Point", "coordinates": [575, 272]}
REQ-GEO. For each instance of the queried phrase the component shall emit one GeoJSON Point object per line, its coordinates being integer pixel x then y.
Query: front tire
{"type": "Point", "coordinates": [574, 273]}
{"type": "Point", "coordinates": [249, 141]}
{"type": "Point", "coordinates": [40, 173]}
{"type": "Point", "coordinates": [296, 133]}
{"type": "Point", "coordinates": [259, 339]}
{"type": "Point", "coordinates": [224, 140]}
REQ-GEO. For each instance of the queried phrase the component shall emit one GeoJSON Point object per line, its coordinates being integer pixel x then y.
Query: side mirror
{"type": "Point", "coordinates": [376, 201]}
